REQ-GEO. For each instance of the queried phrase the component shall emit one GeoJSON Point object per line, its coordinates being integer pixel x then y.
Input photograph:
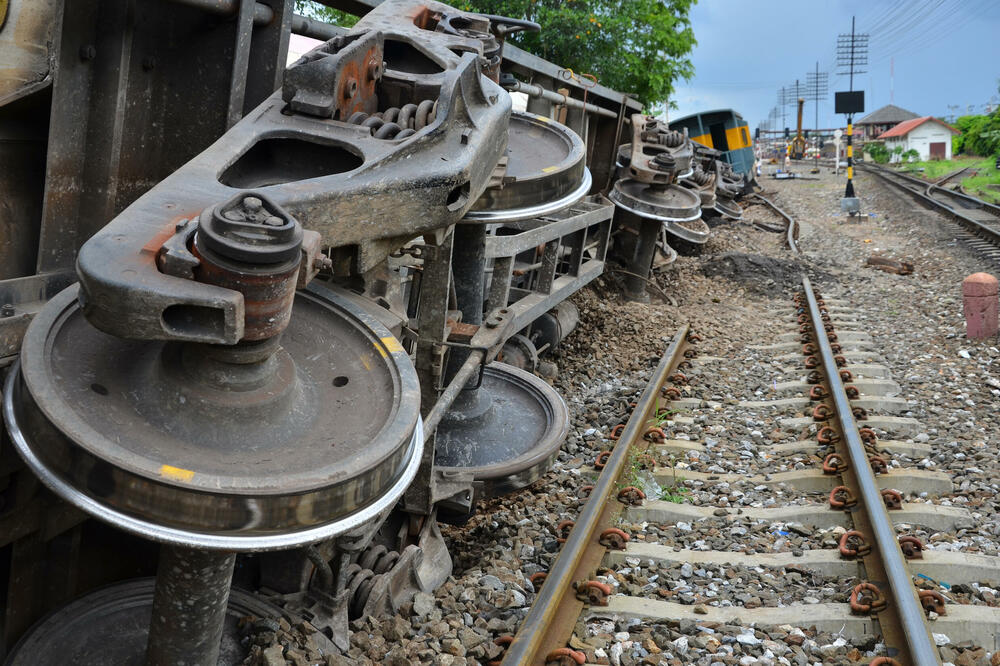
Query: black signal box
{"type": "Point", "coordinates": [849, 102]}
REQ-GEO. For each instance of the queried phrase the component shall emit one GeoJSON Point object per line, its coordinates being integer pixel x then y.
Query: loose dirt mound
{"type": "Point", "coordinates": [765, 275]}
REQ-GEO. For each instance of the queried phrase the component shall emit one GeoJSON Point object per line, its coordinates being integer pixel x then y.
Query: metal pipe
{"type": "Point", "coordinates": [189, 606]}
{"type": "Point", "coordinates": [307, 27]}
{"type": "Point", "coordinates": [537, 91]}
{"type": "Point", "coordinates": [904, 596]}
{"type": "Point", "coordinates": [451, 392]}
{"type": "Point", "coordinates": [537, 624]}
{"type": "Point", "coordinates": [263, 15]}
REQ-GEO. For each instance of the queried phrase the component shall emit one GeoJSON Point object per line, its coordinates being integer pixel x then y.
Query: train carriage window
{"type": "Point", "coordinates": [746, 137]}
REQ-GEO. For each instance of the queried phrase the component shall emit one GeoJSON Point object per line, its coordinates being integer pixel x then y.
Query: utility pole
{"type": "Point", "coordinates": [852, 53]}
{"type": "Point", "coordinates": [817, 88]}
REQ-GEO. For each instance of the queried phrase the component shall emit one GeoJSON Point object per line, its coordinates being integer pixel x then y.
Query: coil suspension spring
{"type": "Point", "coordinates": [397, 122]}
{"type": "Point", "coordinates": [699, 176]}
{"type": "Point", "coordinates": [362, 575]}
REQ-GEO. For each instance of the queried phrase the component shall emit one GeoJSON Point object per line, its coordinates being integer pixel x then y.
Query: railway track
{"type": "Point", "coordinates": [979, 221]}
{"type": "Point", "coordinates": [791, 226]}
{"type": "Point", "coordinates": [865, 574]}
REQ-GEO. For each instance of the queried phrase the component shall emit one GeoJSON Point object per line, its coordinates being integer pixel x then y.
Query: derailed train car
{"type": "Point", "coordinates": [251, 316]}
{"type": "Point", "coordinates": [725, 131]}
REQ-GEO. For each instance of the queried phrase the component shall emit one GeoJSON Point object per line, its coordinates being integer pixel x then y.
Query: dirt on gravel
{"type": "Point", "coordinates": [729, 294]}
{"type": "Point", "coordinates": [760, 273]}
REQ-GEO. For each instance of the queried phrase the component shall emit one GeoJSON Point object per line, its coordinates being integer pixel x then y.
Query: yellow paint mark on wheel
{"type": "Point", "coordinates": [549, 169]}
{"type": "Point", "coordinates": [176, 473]}
{"type": "Point", "coordinates": [392, 344]}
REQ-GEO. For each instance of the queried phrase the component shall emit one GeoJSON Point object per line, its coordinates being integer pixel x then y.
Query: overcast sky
{"type": "Point", "coordinates": [945, 52]}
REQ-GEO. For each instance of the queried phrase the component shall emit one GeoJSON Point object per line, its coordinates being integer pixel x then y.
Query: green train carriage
{"type": "Point", "coordinates": [723, 130]}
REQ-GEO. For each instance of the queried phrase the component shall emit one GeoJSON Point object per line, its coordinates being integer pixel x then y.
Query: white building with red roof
{"type": "Point", "coordinates": [930, 137]}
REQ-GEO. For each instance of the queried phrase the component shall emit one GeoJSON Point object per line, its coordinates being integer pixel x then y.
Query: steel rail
{"type": "Point", "coordinates": [792, 228]}
{"type": "Point", "coordinates": [992, 233]}
{"type": "Point", "coordinates": [904, 596]}
{"type": "Point", "coordinates": [944, 179]}
{"type": "Point", "coordinates": [974, 202]}
{"type": "Point", "coordinates": [539, 623]}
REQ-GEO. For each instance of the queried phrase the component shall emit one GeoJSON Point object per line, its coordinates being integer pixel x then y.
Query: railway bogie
{"type": "Point", "coordinates": [263, 327]}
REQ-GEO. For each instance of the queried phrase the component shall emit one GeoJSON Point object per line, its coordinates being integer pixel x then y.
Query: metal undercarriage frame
{"type": "Point", "coordinates": [114, 73]}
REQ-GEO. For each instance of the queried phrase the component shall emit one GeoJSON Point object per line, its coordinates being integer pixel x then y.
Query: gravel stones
{"type": "Point", "coordinates": [736, 295]}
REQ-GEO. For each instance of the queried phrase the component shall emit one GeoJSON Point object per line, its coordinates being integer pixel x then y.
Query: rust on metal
{"type": "Point", "coordinates": [614, 538]}
{"type": "Point", "coordinates": [537, 579]}
{"type": "Point", "coordinates": [550, 621]}
{"type": "Point", "coordinates": [817, 393]}
{"type": "Point", "coordinates": [828, 435]}
{"type": "Point", "coordinates": [630, 495]}
{"type": "Point", "coordinates": [655, 434]}
{"type": "Point", "coordinates": [841, 497]}
{"type": "Point", "coordinates": [502, 642]}
{"type": "Point", "coordinates": [912, 547]}
{"type": "Point", "coordinates": [834, 463]}
{"type": "Point", "coordinates": [866, 599]}
{"type": "Point", "coordinates": [563, 530]}
{"type": "Point", "coordinates": [892, 498]}
{"type": "Point", "coordinates": [593, 592]}
{"type": "Point", "coordinates": [601, 460]}
{"type": "Point", "coordinates": [878, 464]}
{"type": "Point", "coordinates": [932, 601]}
{"type": "Point", "coordinates": [853, 544]}
{"type": "Point", "coordinates": [821, 412]}
{"type": "Point", "coordinates": [565, 657]}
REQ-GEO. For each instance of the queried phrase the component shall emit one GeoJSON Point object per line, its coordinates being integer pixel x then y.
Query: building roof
{"type": "Point", "coordinates": [887, 115]}
{"type": "Point", "coordinates": [904, 128]}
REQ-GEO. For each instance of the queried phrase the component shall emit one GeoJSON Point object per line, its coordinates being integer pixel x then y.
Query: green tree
{"type": "Point", "coordinates": [980, 134]}
{"type": "Point", "coordinates": [640, 47]}
{"type": "Point", "coordinates": [314, 10]}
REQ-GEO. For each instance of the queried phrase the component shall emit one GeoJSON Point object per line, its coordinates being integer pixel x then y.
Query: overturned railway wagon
{"type": "Point", "coordinates": [723, 130]}
{"type": "Point", "coordinates": [252, 315]}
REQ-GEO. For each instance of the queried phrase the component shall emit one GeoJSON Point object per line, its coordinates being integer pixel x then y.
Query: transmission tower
{"type": "Point", "coordinates": [817, 89]}
{"type": "Point", "coordinates": [852, 53]}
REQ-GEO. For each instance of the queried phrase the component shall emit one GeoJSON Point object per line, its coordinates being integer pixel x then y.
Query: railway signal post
{"type": "Point", "coordinates": [852, 52]}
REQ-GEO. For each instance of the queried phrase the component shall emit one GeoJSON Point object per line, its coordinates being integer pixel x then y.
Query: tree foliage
{"type": "Point", "coordinates": [880, 154]}
{"type": "Point", "coordinates": [634, 46]}
{"type": "Point", "coordinates": [640, 47]}
{"type": "Point", "coordinates": [980, 135]}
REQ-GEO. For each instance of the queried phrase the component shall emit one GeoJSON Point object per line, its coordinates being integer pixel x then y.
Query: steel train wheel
{"type": "Point", "coordinates": [676, 206]}
{"type": "Point", "coordinates": [546, 171]}
{"type": "Point", "coordinates": [506, 434]}
{"type": "Point", "coordinates": [109, 627]}
{"type": "Point", "coordinates": [119, 429]}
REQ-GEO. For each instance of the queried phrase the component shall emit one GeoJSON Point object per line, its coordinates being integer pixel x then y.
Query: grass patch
{"type": "Point", "coordinates": [978, 185]}
{"type": "Point", "coordinates": [934, 169]}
